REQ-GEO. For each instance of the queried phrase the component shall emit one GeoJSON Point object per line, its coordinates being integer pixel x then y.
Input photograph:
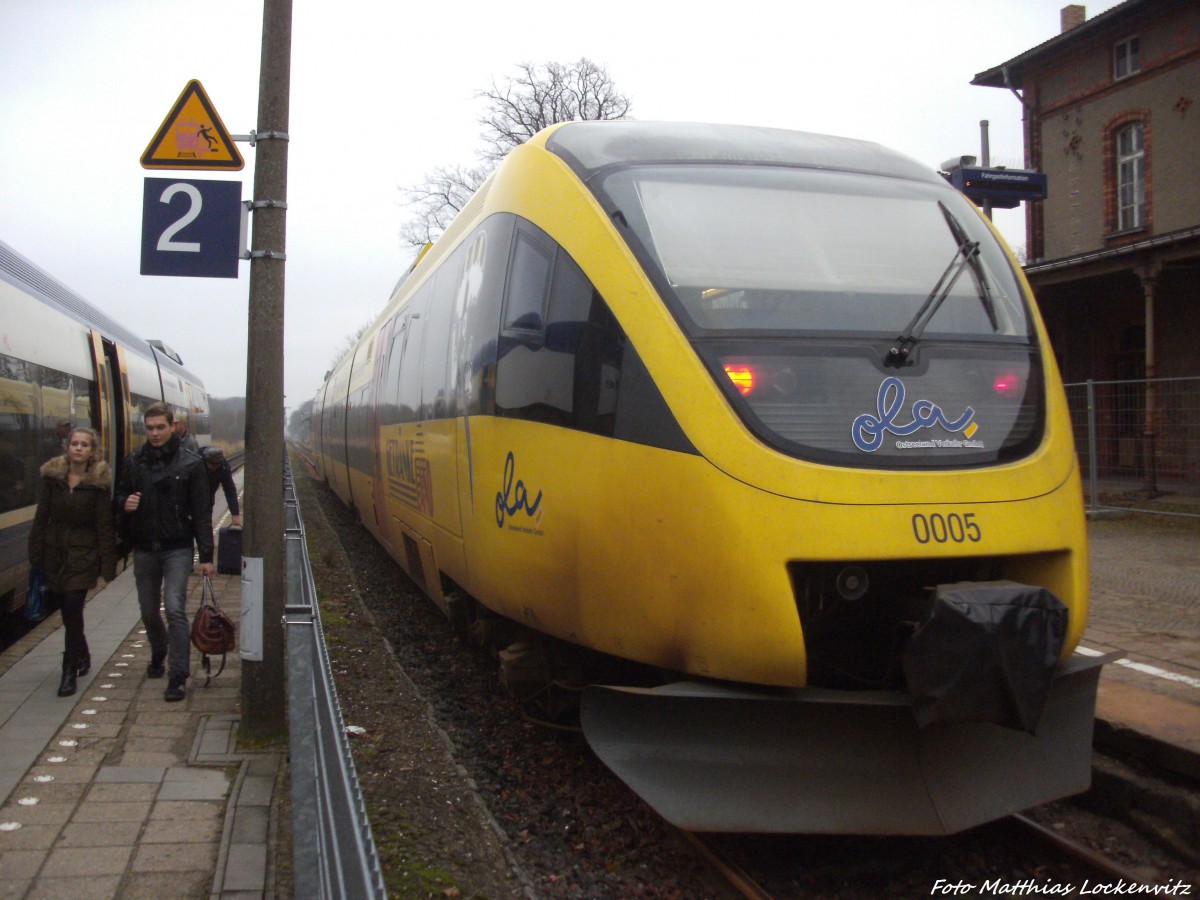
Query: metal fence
{"type": "Point", "coordinates": [334, 852]}
{"type": "Point", "coordinates": [1139, 443]}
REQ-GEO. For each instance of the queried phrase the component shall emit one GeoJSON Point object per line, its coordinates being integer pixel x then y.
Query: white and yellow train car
{"type": "Point", "coordinates": [63, 363]}
{"type": "Point", "coordinates": [772, 419]}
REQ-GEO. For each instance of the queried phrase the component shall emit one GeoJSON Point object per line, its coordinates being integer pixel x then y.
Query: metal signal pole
{"type": "Point", "coordinates": [263, 687]}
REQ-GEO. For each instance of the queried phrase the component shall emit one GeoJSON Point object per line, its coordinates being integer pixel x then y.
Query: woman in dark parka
{"type": "Point", "coordinates": [73, 540]}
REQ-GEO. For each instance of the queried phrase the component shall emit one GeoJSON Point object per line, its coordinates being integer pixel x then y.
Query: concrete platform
{"type": "Point", "coordinates": [1145, 586]}
{"type": "Point", "coordinates": [114, 792]}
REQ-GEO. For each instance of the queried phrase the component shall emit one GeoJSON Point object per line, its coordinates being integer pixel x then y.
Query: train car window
{"type": "Point", "coordinates": [389, 403]}
{"type": "Point", "coordinates": [140, 404]}
{"type": "Point", "coordinates": [528, 284]}
{"type": "Point", "coordinates": [478, 304]}
{"type": "Point", "coordinates": [408, 388]}
{"type": "Point", "coordinates": [338, 424]}
{"type": "Point", "coordinates": [20, 451]}
{"type": "Point", "coordinates": [38, 407]}
{"type": "Point", "coordinates": [436, 337]}
{"type": "Point", "coordinates": [359, 419]}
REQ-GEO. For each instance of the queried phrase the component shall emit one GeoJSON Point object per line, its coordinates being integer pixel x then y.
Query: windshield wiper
{"type": "Point", "coordinates": [966, 254]}
{"type": "Point", "coordinates": [981, 282]}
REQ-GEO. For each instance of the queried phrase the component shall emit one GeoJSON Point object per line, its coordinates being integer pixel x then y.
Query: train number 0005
{"type": "Point", "coordinates": [955, 528]}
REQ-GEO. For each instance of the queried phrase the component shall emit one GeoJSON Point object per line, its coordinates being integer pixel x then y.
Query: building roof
{"type": "Point", "coordinates": [1009, 74]}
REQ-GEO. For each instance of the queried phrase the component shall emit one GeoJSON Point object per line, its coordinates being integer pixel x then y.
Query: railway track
{"type": "Point", "coordinates": [1061, 864]}
{"type": "Point", "coordinates": [1105, 868]}
{"type": "Point", "coordinates": [729, 871]}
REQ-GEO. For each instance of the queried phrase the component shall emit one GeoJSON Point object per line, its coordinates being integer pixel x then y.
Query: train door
{"type": "Point", "coordinates": [400, 406]}
{"type": "Point", "coordinates": [111, 417]}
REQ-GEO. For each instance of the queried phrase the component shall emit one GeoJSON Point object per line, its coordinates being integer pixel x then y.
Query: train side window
{"type": "Point", "coordinates": [479, 303]}
{"type": "Point", "coordinates": [438, 319]}
{"type": "Point", "coordinates": [20, 454]}
{"type": "Point", "coordinates": [528, 284]}
{"type": "Point", "coordinates": [389, 406]}
{"type": "Point", "coordinates": [140, 404]}
{"type": "Point", "coordinates": [408, 388]}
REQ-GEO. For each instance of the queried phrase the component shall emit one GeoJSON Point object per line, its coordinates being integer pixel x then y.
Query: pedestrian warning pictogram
{"type": "Point", "coordinates": [192, 136]}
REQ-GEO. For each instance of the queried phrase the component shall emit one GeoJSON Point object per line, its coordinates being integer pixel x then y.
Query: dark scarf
{"type": "Point", "coordinates": [164, 454]}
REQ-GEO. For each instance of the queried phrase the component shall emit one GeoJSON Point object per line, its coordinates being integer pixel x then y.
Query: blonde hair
{"type": "Point", "coordinates": [93, 457]}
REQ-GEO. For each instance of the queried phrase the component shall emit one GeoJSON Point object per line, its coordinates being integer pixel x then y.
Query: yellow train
{"type": "Point", "coordinates": [755, 438]}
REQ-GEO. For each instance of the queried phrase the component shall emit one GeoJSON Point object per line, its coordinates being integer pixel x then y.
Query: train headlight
{"type": "Point", "coordinates": [744, 378]}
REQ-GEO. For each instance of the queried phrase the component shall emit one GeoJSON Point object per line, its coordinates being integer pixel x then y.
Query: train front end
{"type": "Point", "coordinates": [886, 475]}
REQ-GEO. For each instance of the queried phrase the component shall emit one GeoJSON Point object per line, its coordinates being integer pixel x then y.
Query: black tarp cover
{"type": "Point", "coordinates": [986, 653]}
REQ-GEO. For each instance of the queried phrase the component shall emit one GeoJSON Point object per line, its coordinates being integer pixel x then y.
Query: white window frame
{"type": "Point", "coordinates": [1130, 146]}
{"type": "Point", "coordinates": [1127, 58]}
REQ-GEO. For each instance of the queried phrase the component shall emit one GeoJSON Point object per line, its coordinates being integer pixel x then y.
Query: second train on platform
{"type": "Point", "coordinates": [63, 363]}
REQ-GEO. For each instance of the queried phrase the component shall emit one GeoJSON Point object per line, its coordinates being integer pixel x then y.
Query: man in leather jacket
{"type": "Point", "coordinates": [163, 498]}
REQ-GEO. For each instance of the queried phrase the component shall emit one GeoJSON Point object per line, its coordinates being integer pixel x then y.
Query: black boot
{"type": "Point", "coordinates": [85, 660]}
{"type": "Point", "coordinates": [67, 687]}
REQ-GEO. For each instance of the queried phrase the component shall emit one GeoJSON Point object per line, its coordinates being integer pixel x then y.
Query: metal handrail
{"type": "Point", "coordinates": [334, 853]}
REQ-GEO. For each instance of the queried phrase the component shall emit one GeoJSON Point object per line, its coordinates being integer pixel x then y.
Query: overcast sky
{"type": "Point", "coordinates": [383, 92]}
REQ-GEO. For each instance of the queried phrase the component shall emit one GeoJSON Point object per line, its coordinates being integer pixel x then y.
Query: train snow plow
{"type": "Point", "coordinates": [713, 758]}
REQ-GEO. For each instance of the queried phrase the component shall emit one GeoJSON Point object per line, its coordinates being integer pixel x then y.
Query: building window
{"type": "Point", "coordinates": [1126, 58]}
{"type": "Point", "coordinates": [1131, 177]}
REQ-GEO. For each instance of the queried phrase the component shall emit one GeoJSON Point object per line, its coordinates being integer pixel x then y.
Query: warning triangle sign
{"type": "Point", "coordinates": [192, 136]}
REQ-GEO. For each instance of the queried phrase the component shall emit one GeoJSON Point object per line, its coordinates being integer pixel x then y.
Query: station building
{"type": "Point", "coordinates": [1111, 115]}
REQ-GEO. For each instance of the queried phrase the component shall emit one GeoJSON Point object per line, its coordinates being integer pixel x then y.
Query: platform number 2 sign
{"type": "Point", "coordinates": [191, 227]}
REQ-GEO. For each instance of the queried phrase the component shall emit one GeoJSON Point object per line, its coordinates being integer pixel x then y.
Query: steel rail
{"type": "Point", "coordinates": [1079, 852]}
{"type": "Point", "coordinates": [730, 871]}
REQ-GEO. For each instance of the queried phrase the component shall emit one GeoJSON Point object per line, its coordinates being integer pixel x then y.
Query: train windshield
{"type": "Point", "coordinates": [851, 318]}
{"type": "Point", "coordinates": [753, 248]}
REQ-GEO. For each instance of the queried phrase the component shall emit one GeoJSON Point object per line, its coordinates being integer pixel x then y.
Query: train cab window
{"type": "Point", "coordinates": [582, 372]}
{"type": "Point", "coordinates": [546, 309]}
{"type": "Point", "coordinates": [794, 283]}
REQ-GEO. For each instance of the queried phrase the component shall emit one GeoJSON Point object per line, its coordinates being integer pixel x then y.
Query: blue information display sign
{"type": "Point", "coordinates": [1004, 188]}
{"type": "Point", "coordinates": [191, 228]}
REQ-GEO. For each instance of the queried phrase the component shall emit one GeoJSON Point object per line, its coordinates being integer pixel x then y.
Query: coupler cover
{"type": "Point", "coordinates": [987, 652]}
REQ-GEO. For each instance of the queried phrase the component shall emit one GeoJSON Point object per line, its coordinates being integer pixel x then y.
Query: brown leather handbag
{"type": "Point", "coordinates": [213, 631]}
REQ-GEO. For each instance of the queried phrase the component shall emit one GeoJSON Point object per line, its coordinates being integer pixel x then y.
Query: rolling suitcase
{"type": "Point", "coordinates": [229, 550]}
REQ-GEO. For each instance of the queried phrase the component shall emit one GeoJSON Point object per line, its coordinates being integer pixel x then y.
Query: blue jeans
{"type": "Point", "coordinates": [163, 575]}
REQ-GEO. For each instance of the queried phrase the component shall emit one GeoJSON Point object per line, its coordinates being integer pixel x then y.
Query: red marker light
{"type": "Point", "coordinates": [1007, 384]}
{"type": "Point", "coordinates": [743, 377]}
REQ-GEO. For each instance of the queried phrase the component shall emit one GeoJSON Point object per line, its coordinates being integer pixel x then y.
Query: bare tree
{"type": "Point", "coordinates": [438, 200]}
{"type": "Point", "coordinates": [543, 96]}
{"type": "Point", "coordinates": [518, 109]}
